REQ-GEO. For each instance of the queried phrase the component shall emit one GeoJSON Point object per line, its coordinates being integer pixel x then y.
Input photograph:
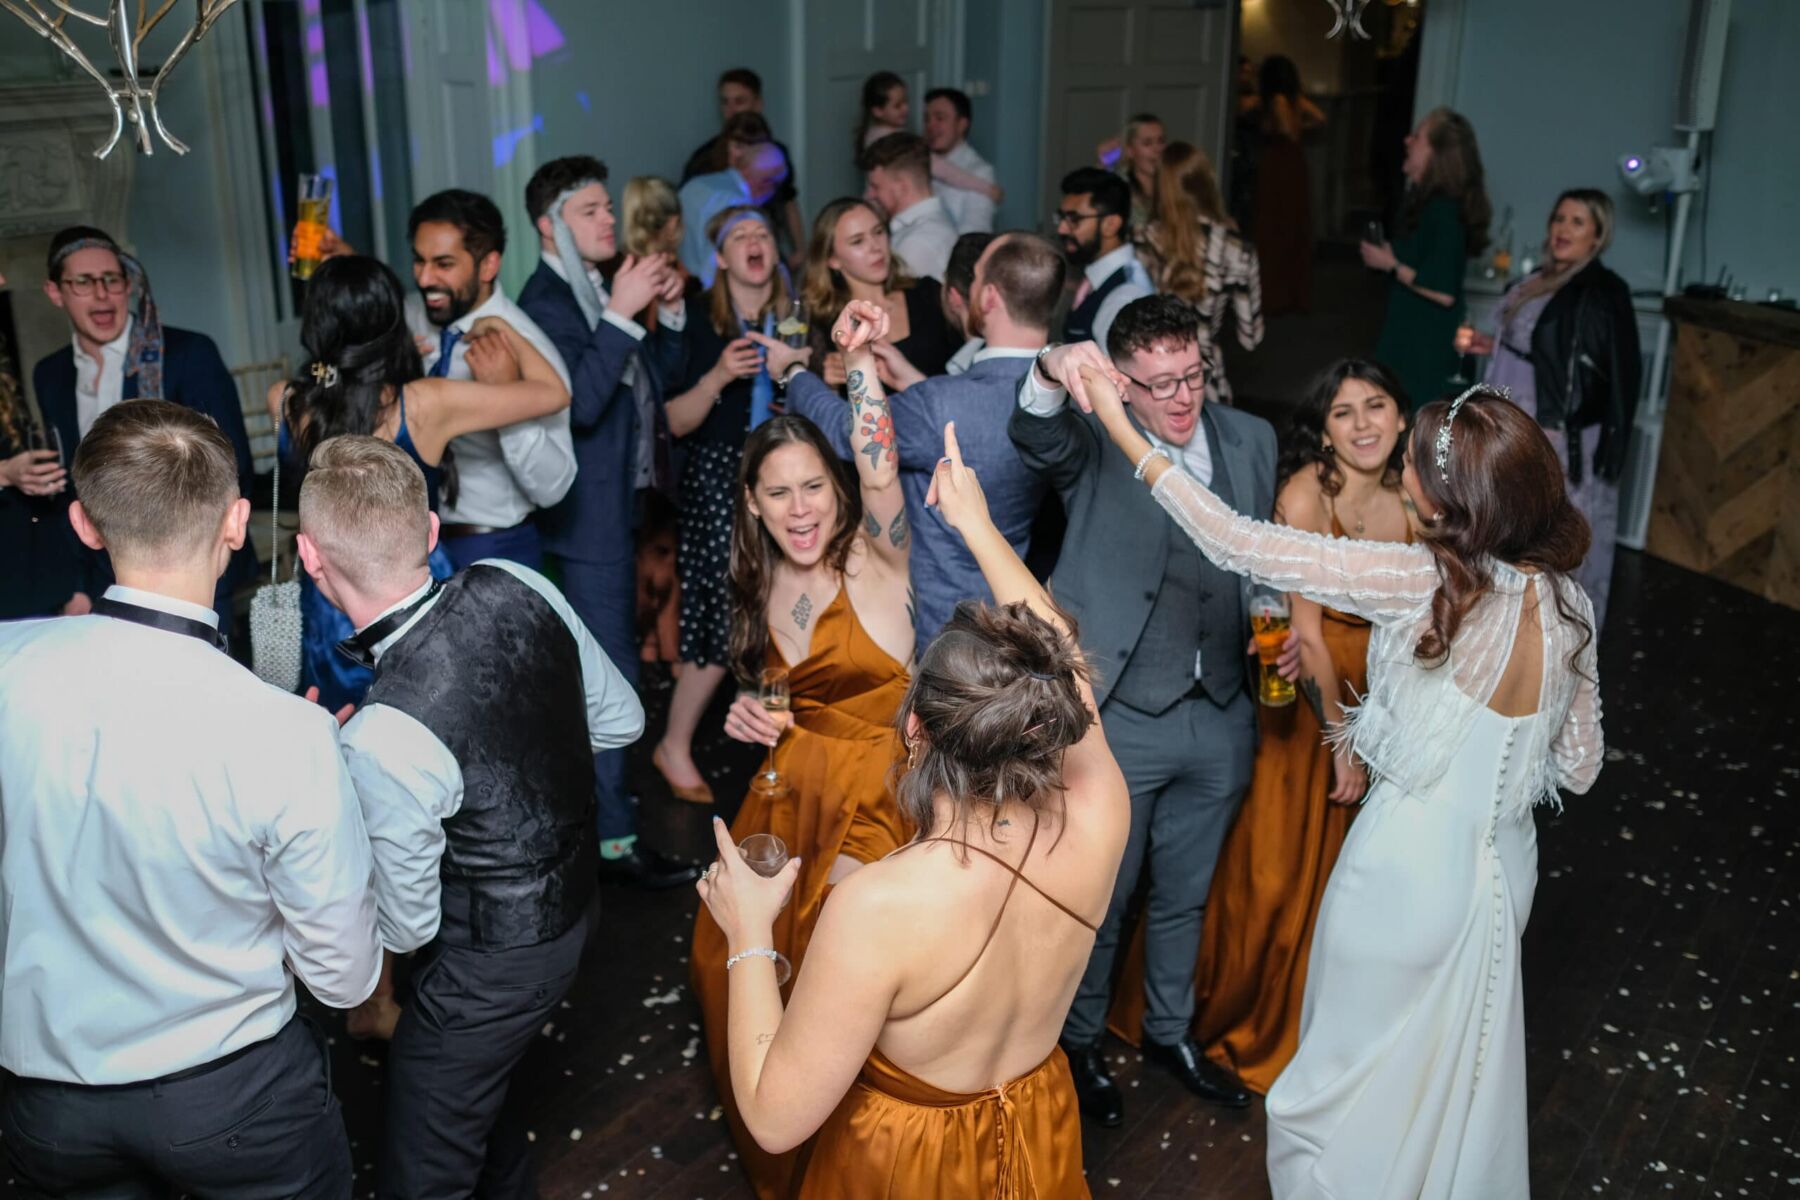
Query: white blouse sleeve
{"type": "Point", "coordinates": [1381, 581]}
{"type": "Point", "coordinates": [1579, 747]}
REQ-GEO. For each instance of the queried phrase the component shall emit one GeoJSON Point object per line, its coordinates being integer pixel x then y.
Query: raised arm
{"type": "Point", "coordinates": [513, 383]}
{"type": "Point", "coordinates": [872, 445]}
{"type": "Point", "coordinates": [1382, 581]}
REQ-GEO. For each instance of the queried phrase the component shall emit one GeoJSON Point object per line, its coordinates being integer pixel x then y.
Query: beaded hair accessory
{"type": "Point", "coordinates": [1443, 433]}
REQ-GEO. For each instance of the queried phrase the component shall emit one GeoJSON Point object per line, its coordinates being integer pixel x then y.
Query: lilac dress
{"type": "Point", "coordinates": [1597, 499]}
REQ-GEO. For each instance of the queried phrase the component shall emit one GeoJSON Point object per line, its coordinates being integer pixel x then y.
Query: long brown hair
{"type": "Point", "coordinates": [1504, 500]}
{"type": "Point", "coordinates": [824, 291]}
{"type": "Point", "coordinates": [997, 702]}
{"type": "Point", "coordinates": [1303, 443]}
{"type": "Point", "coordinates": [1188, 203]}
{"type": "Point", "coordinates": [754, 553]}
{"type": "Point", "coordinates": [1455, 172]}
{"type": "Point", "coordinates": [718, 297]}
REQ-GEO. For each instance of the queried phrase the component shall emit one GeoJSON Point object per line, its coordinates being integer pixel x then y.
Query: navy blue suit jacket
{"type": "Point", "coordinates": [193, 375]}
{"type": "Point", "coordinates": [593, 522]}
{"type": "Point", "coordinates": [981, 402]}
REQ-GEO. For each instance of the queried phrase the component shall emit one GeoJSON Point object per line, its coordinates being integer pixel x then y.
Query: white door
{"type": "Point", "coordinates": [842, 43]}
{"type": "Point", "coordinates": [1111, 59]}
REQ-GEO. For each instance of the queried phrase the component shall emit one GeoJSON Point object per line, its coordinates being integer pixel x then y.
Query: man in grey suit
{"type": "Point", "coordinates": [1166, 633]}
{"type": "Point", "coordinates": [1016, 283]}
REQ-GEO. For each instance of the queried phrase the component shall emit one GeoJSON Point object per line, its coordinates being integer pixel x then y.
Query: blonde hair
{"type": "Point", "coordinates": [1187, 204]}
{"type": "Point", "coordinates": [648, 203]}
{"type": "Point", "coordinates": [718, 297]}
{"type": "Point", "coordinates": [364, 502]}
{"type": "Point", "coordinates": [824, 291]}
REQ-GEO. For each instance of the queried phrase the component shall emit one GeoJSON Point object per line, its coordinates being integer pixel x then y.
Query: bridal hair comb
{"type": "Point", "coordinates": [1443, 433]}
{"type": "Point", "coordinates": [325, 375]}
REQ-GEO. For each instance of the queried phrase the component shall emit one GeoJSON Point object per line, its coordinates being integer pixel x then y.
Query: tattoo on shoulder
{"type": "Point", "coordinates": [872, 525]}
{"type": "Point", "coordinates": [802, 610]}
{"type": "Point", "coordinates": [899, 533]}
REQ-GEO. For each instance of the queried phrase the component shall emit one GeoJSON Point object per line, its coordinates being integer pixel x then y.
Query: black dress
{"type": "Point", "coordinates": [708, 499]}
{"type": "Point", "coordinates": [928, 344]}
{"type": "Point", "coordinates": [40, 562]}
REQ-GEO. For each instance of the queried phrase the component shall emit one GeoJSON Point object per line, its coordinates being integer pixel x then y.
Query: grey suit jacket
{"type": "Point", "coordinates": [1117, 547]}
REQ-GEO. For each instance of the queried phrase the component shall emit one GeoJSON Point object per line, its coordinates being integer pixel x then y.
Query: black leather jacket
{"type": "Point", "coordinates": [1588, 367]}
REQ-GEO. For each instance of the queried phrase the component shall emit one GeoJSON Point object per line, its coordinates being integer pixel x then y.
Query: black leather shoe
{"type": "Point", "coordinates": [1094, 1085]}
{"type": "Point", "coordinates": [1204, 1078]}
{"type": "Point", "coordinates": [644, 868]}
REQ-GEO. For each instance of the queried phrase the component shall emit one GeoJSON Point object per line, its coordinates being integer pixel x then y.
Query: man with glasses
{"type": "Point", "coordinates": [1093, 222]}
{"type": "Point", "coordinates": [120, 350]}
{"type": "Point", "coordinates": [1166, 633]}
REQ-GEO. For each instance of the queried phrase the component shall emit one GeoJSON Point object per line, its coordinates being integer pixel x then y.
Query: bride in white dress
{"type": "Point", "coordinates": [1409, 1080]}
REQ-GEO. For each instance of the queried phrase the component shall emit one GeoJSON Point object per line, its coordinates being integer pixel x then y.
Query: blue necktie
{"type": "Point", "coordinates": [762, 388]}
{"type": "Point", "coordinates": [448, 336]}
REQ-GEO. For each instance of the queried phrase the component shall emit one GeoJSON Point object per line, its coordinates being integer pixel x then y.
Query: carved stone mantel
{"type": "Point", "coordinates": [49, 179]}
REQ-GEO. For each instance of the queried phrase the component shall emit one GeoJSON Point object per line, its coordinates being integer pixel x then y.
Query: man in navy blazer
{"type": "Point", "coordinates": [106, 297]}
{"type": "Point", "coordinates": [616, 368]}
{"type": "Point", "coordinates": [1017, 281]}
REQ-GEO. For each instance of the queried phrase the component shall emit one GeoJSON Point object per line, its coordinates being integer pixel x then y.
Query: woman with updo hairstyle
{"type": "Point", "coordinates": [1483, 701]}
{"type": "Point", "coordinates": [919, 1050]}
{"type": "Point", "coordinates": [1567, 350]}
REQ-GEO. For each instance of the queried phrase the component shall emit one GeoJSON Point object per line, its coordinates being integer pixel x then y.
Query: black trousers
{"type": "Point", "coordinates": [261, 1123]}
{"type": "Point", "coordinates": [453, 1128]}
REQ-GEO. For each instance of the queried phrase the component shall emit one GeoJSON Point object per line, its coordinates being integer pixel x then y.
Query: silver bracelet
{"type": "Point", "coordinates": [767, 952]}
{"type": "Point", "coordinates": [1143, 464]}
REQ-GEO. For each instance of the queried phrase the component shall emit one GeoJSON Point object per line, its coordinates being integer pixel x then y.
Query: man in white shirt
{"type": "Point", "coordinates": [1093, 221]}
{"type": "Point", "coordinates": [947, 117]}
{"type": "Point", "coordinates": [473, 757]}
{"type": "Point", "coordinates": [178, 840]}
{"type": "Point", "coordinates": [502, 476]}
{"type": "Point", "coordinates": [919, 229]}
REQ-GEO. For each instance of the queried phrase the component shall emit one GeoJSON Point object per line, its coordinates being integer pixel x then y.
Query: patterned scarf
{"type": "Point", "coordinates": [144, 355]}
{"type": "Point", "coordinates": [574, 266]}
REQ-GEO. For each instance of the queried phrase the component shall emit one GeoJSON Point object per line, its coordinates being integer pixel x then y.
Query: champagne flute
{"type": "Point", "coordinates": [772, 694]}
{"type": "Point", "coordinates": [767, 854]}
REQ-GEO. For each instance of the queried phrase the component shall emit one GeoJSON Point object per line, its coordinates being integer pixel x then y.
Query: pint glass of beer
{"type": "Point", "coordinates": [1269, 622]}
{"type": "Point", "coordinates": [313, 199]}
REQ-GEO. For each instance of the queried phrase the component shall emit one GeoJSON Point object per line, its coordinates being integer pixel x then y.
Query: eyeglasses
{"type": "Point", "coordinates": [1062, 217]}
{"type": "Point", "coordinates": [1165, 389]}
{"type": "Point", "coordinates": [112, 283]}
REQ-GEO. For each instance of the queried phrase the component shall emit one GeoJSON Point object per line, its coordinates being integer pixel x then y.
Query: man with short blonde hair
{"type": "Point", "coordinates": [175, 831]}
{"type": "Point", "coordinates": [473, 755]}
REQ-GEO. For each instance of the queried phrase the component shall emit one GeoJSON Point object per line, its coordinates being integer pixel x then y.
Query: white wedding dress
{"type": "Point", "coordinates": [1409, 1079]}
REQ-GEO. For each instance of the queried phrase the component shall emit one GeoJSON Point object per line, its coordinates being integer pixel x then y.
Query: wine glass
{"type": "Point", "coordinates": [772, 694]}
{"type": "Point", "coordinates": [46, 437]}
{"type": "Point", "coordinates": [767, 854]}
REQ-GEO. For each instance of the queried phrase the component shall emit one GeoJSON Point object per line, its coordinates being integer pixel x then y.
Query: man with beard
{"type": "Point", "coordinates": [120, 350]}
{"type": "Point", "coordinates": [621, 443]}
{"type": "Point", "coordinates": [502, 476]}
{"type": "Point", "coordinates": [1094, 223]}
{"type": "Point", "coordinates": [1017, 281]}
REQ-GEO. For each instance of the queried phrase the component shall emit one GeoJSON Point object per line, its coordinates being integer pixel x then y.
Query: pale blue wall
{"type": "Point", "coordinates": [1003, 43]}
{"type": "Point", "coordinates": [1557, 90]}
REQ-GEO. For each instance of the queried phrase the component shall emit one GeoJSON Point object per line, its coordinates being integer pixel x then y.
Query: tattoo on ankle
{"type": "Point", "coordinates": [802, 610]}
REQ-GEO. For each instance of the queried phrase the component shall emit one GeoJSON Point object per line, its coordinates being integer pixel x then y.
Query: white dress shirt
{"type": "Point", "coordinates": [923, 237]}
{"type": "Point", "coordinates": [99, 383]}
{"type": "Point", "coordinates": [672, 317]}
{"type": "Point", "coordinates": [175, 837]}
{"type": "Point", "coordinates": [410, 783]}
{"type": "Point", "coordinates": [1195, 458]}
{"type": "Point", "coordinates": [964, 358]}
{"type": "Point", "coordinates": [969, 210]}
{"type": "Point", "coordinates": [1136, 286]}
{"type": "Point", "coordinates": [502, 474]}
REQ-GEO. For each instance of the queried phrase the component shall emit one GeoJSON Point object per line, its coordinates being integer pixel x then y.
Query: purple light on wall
{"type": "Point", "coordinates": [507, 144]}
{"type": "Point", "coordinates": [508, 16]}
{"type": "Point", "coordinates": [318, 87]}
{"type": "Point", "coordinates": [526, 32]}
{"type": "Point", "coordinates": [365, 59]}
{"type": "Point", "coordinates": [546, 36]}
{"type": "Point", "coordinates": [495, 72]}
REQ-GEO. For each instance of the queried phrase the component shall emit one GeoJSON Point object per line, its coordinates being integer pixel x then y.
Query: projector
{"type": "Point", "coordinates": [1664, 169]}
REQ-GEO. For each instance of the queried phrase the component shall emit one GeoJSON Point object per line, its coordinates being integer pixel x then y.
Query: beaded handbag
{"type": "Point", "coordinates": [275, 622]}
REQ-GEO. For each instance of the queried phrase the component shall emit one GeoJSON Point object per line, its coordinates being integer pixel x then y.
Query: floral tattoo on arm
{"type": "Point", "coordinates": [876, 420]}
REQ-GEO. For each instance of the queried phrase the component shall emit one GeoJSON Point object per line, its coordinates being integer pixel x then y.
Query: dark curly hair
{"type": "Point", "coordinates": [997, 702]}
{"type": "Point", "coordinates": [1303, 442]}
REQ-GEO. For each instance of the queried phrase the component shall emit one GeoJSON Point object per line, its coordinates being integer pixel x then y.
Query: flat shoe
{"type": "Point", "coordinates": [699, 793]}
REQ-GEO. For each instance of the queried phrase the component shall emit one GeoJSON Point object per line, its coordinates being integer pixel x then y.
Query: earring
{"type": "Point", "coordinates": [912, 754]}
{"type": "Point", "coordinates": [1328, 447]}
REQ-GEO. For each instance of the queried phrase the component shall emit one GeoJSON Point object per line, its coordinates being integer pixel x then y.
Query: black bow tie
{"type": "Point", "coordinates": [156, 618]}
{"type": "Point", "coordinates": [359, 647]}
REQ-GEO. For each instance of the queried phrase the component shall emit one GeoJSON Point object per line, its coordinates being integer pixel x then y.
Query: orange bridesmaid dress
{"type": "Point", "coordinates": [836, 760]}
{"type": "Point", "coordinates": [1266, 889]}
{"type": "Point", "coordinates": [896, 1137]}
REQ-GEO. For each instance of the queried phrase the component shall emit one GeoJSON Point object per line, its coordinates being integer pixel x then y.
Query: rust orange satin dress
{"type": "Point", "coordinates": [1267, 886]}
{"type": "Point", "coordinates": [896, 1137]}
{"type": "Point", "coordinates": [836, 759]}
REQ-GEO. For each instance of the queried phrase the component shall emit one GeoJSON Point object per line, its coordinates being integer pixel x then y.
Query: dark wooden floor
{"type": "Point", "coordinates": [1662, 963]}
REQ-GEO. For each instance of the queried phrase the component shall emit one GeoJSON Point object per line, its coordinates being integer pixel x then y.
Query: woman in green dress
{"type": "Point", "coordinates": [1443, 223]}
